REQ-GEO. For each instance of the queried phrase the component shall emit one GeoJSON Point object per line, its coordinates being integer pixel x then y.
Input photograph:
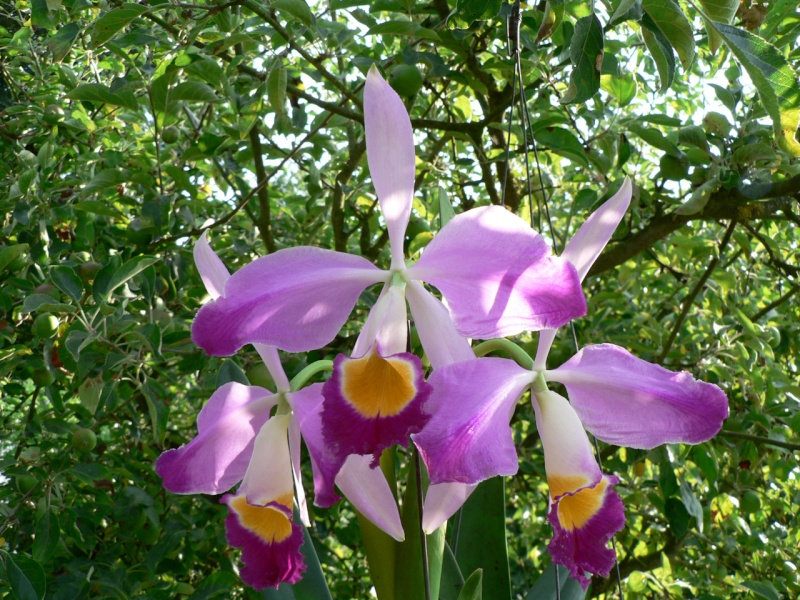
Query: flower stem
{"type": "Point", "coordinates": [500, 344]}
{"type": "Point", "coordinates": [303, 376]}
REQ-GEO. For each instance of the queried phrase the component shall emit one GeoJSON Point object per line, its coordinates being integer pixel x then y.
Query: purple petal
{"type": "Point", "coordinates": [468, 438]}
{"type": "Point", "coordinates": [435, 327]}
{"type": "Point", "coordinates": [585, 549]}
{"type": "Point", "coordinates": [390, 153]}
{"type": "Point", "coordinates": [307, 406]}
{"type": "Point", "coordinates": [441, 502]}
{"type": "Point", "coordinates": [627, 401]}
{"type": "Point", "coordinates": [270, 542]}
{"type": "Point", "coordinates": [589, 241]}
{"type": "Point", "coordinates": [212, 270]}
{"type": "Point", "coordinates": [217, 458]}
{"type": "Point", "coordinates": [296, 299]}
{"type": "Point", "coordinates": [498, 276]}
{"type": "Point", "coordinates": [585, 511]}
{"type": "Point", "coordinates": [368, 490]}
{"type": "Point", "coordinates": [372, 403]}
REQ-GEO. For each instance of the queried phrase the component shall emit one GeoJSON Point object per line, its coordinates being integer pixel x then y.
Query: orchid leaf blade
{"type": "Point", "coordinates": [555, 582]}
{"type": "Point", "coordinates": [452, 580]}
{"type": "Point", "coordinates": [473, 587]}
{"type": "Point", "coordinates": [482, 538]}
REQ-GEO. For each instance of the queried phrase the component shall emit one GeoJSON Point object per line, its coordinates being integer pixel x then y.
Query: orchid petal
{"type": "Point", "coordinates": [296, 299]}
{"type": "Point", "coordinates": [372, 403]}
{"type": "Point", "coordinates": [468, 438]}
{"type": "Point", "coordinates": [212, 270]}
{"type": "Point", "coordinates": [269, 540]}
{"type": "Point", "coordinates": [438, 335]}
{"type": "Point", "coordinates": [441, 502]}
{"type": "Point", "coordinates": [390, 154]}
{"type": "Point", "coordinates": [627, 401]}
{"type": "Point", "coordinates": [368, 491]}
{"type": "Point", "coordinates": [588, 242]}
{"type": "Point", "coordinates": [269, 354]}
{"type": "Point", "coordinates": [498, 276]}
{"type": "Point", "coordinates": [585, 511]}
{"type": "Point", "coordinates": [295, 438]}
{"type": "Point", "coordinates": [307, 406]}
{"type": "Point", "coordinates": [386, 325]}
{"type": "Point", "coordinates": [269, 474]}
{"type": "Point", "coordinates": [217, 458]}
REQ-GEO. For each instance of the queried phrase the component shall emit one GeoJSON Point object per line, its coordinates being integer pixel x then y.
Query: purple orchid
{"type": "Point", "coordinates": [497, 276]}
{"type": "Point", "coordinates": [617, 397]}
{"type": "Point", "coordinates": [238, 441]}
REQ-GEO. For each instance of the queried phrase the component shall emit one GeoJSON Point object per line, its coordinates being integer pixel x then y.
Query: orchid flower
{"type": "Point", "coordinates": [617, 397]}
{"type": "Point", "coordinates": [497, 275]}
{"type": "Point", "coordinates": [238, 441]}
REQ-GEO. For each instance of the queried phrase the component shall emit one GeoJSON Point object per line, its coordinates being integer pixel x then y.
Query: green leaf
{"type": "Point", "coordinates": [482, 538]}
{"type": "Point", "coordinates": [472, 10]}
{"type": "Point", "coordinates": [452, 579]}
{"type": "Point", "coordinates": [102, 288]}
{"type": "Point", "coordinates": [61, 43]}
{"type": "Point", "coordinates": [48, 534]}
{"type": "Point", "coordinates": [473, 587]}
{"type": "Point", "coordinates": [563, 142]}
{"type": "Point", "coordinates": [692, 504]}
{"type": "Point", "coordinates": [230, 371]}
{"type": "Point", "coordinates": [7, 255]}
{"type": "Point", "coordinates": [764, 589]}
{"type": "Point", "coordinates": [159, 412]}
{"type": "Point", "coordinates": [404, 28]}
{"type": "Point", "coordinates": [586, 54]}
{"type": "Point", "coordinates": [677, 517]}
{"type": "Point", "coordinates": [545, 586]}
{"type": "Point", "coordinates": [193, 91]}
{"type": "Point", "coordinates": [296, 8]}
{"type": "Point", "coordinates": [110, 23]}
{"type": "Point", "coordinates": [670, 20]}
{"type": "Point", "coordinates": [276, 90]}
{"type": "Point", "coordinates": [67, 281]}
{"type": "Point", "coordinates": [446, 211]}
{"type": "Point", "coordinates": [656, 139]}
{"type": "Point", "coordinates": [97, 92]}
{"type": "Point", "coordinates": [45, 303]}
{"type": "Point", "coordinates": [752, 153]}
{"type": "Point", "coordinates": [721, 11]}
{"type": "Point", "coordinates": [775, 81]}
{"type": "Point", "coordinates": [660, 50]}
{"type": "Point", "coordinates": [623, 8]}
{"type": "Point", "coordinates": [700, 196]}
{"type": "Point", "coordinates": [40, 15]}
{"type": "Point", "coordinates": [25, 576]}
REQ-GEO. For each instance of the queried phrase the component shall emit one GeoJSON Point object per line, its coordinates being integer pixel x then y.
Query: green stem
{"type": "Point", "coordinates": [501, 344]}
{"type": "Point", "coordinates": [303, 376]}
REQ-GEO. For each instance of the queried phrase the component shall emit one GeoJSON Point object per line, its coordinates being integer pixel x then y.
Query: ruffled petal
{"type": "Point", "coordinates": [627, 401]}
{"type": "Point", "coordinates": [585, 511]}
{"type": "Point", "coordinates": [372, 403]}
{"type": "Point", "coordinates": [435, 327]}
{"type": "Point", "coordinates": [498, 276]}
{"type": "Point", "coordinates": [588, 242]}
{"type": "Point", "coordinates": [217, 458]}
{"type": "Point", "coordinates": [269, 474]}
{"type": "Point", "coordinates": [390, 154]}
{"type": "Point", "coordinates": [367, 489]}
{"type": "Point", "coordinates": [468, 438]}
{"type": "Point", "coordinates": [212, 270]}
{"type": "Point", "coordinates": [296, 299]}
{"type": "Point", "coordinates": [441, 502]}
{"type": "Point", "coordinates": [270, 542]}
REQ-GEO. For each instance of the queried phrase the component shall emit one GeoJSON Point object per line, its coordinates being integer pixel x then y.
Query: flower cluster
{"type": "Point", "coordinates": [497, 278]}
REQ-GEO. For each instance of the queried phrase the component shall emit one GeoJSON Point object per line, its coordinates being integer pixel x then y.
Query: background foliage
{"type": "Point", "coordinates": [127, 129]}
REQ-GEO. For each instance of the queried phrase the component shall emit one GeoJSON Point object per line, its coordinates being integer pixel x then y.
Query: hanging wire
{"type": "Point", "coordinates": [513, 38]}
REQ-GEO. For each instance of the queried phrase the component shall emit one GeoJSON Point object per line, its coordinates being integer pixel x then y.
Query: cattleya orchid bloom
{"type": "Point", "coordinates": [238, 441]}
{"type": "Point", "coordinates": [498, 276]}
{"type": "Point", "coordinates": [617, 397]}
